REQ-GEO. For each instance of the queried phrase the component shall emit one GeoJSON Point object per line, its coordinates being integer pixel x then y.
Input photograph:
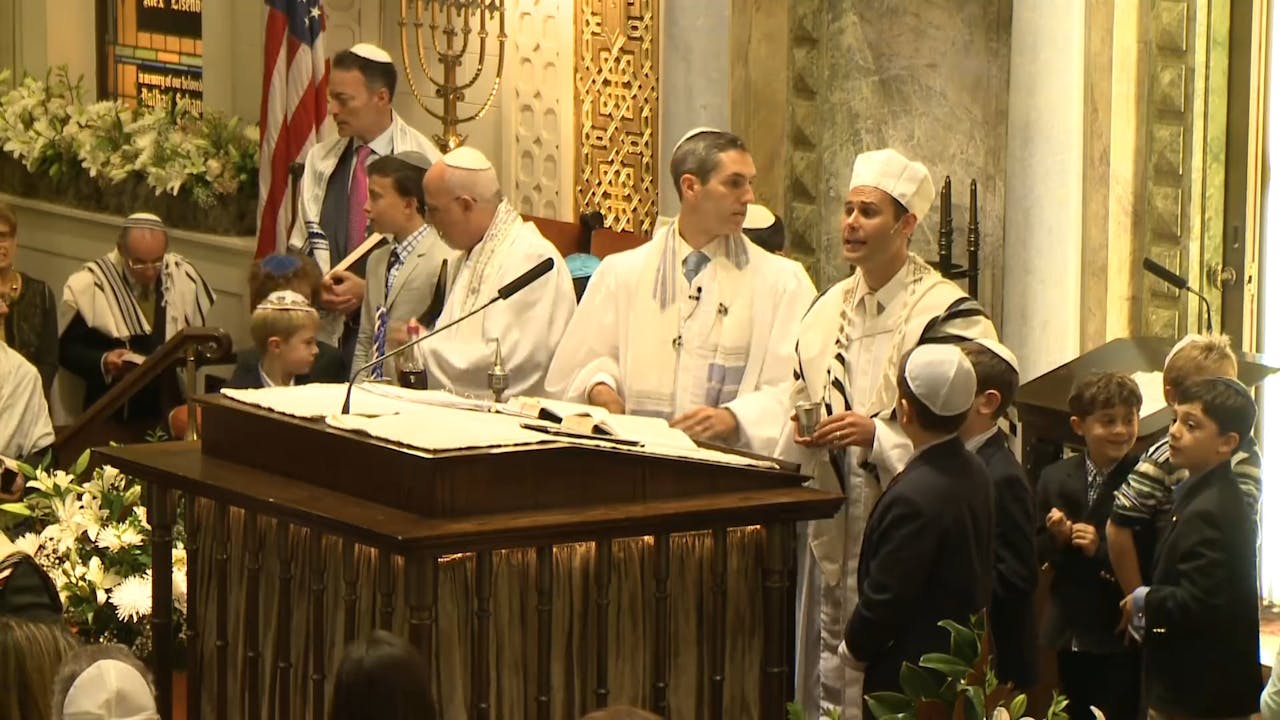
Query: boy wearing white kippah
{"type": "Point", "coordinates": [284, 334]}
{"type": "Point", "coordinates": [850, 344]}
{"type": "Point", "coordinates": [927, 552]}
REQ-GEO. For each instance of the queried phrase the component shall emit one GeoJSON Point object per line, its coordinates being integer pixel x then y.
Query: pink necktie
{"type": "Point", "coordinates": [357, 194]}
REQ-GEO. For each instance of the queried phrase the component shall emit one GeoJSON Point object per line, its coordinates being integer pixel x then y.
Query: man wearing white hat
{"type": "Point", "coordinates": [697, 325]}
{"type": "Point", "coordinates": [331, 219]}
{"type": "Point", "coordinates": [127, 304]}
{"type": "Point", "coordinates": [467, 207]}
{"type": "Point", "coordinates": [927, 552]}
{"type": "Point", "coordinates": [764, 228]}
{"type": "Point", "coordinates": [850, 344]}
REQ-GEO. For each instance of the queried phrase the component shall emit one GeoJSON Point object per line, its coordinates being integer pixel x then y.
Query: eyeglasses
{"type": "Point", "coordinates": [139, 266]}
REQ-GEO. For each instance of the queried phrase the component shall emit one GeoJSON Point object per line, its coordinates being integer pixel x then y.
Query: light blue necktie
{"type": "Point", "coordinates": [694, 262]}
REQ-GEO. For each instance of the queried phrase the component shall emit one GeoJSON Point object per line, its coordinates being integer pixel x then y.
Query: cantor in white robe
{"type": "Point", "coordinates": [871, 330]}
{"type": "Point", "coordinates": [736, 323]}
{"type": "Point", "coordinates": [24, 415]}
{"type": "Point", "coordinates": [528, 325]}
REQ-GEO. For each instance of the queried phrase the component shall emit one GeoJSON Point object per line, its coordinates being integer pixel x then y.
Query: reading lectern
{"type": "Point", "coordinates": [320, 496]}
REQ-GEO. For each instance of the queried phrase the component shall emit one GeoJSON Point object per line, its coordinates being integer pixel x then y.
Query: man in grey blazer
{"type": "Point", "coordinates": [405, 275]}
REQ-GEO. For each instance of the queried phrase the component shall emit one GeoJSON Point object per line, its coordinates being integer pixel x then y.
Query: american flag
{"type": "Point", "coordinates": [295, 83]}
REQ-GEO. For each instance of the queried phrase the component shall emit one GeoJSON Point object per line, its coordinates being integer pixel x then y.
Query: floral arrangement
{"type": "Point", "coordinates": [93, 540]}
{"type": "Point", "coordinates": [961, 686]}
{"type": "Point", "coordinates": [109, 156]}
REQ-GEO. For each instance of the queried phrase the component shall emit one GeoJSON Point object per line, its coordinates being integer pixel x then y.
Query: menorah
{"type": "Point", "coordinates": [450, 19]}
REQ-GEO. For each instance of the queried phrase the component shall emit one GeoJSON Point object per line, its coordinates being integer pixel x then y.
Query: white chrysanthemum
{"type": "Point", "coordinates": [29, 544]}
{"type": "Point", "coordinates": [132, 598]}
{"type": "Point", "coordinates": [118, 537]}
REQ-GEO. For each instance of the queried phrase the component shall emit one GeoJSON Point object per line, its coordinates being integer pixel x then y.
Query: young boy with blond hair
{"type": "Point", "coordinates": [284, 329]}
{"type": "Point", "coordinates": [1073, 499]}
{"type": "Point", "coordinates": [1142, 503]}
{"type": "Point", "coordinates": [1198, 617]}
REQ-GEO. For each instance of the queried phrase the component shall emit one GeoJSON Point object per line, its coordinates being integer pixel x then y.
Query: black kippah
{"type": "Point", "coordinates": [25, 589]}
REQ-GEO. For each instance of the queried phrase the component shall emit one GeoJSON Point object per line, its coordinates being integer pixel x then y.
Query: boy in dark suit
{"type": "Point", "coordinates": [1074, 497]}
{"type": "Point", "coordinates": [284, 334]}
{"type": "Point", "coordinates": [1198, 619]}
{"type": "Point", "coordinates": [1015, 572]}
{"type": "Point", "coordinates": [926, 555]}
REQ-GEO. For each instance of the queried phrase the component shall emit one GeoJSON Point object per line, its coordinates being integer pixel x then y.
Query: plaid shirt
{"type": "Point", "coordinates": [400, 252]}
{"type": "Point", "coordinates": [1095, 477]}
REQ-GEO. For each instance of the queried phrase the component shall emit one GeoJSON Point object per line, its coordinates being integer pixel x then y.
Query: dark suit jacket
{"type": "Point", "coordinates": [1084, 599]}
{"type": "Point", "coordinates": [1016, 571]}
{"type": "Point", "coordinates": [31, 328]}
{"type": "Point", "coordinates": [926, 557]}
{"type": "Point", "coordinates": [327, 368]}
{"type": "Point", "coordinates": [1200, 652]}
{"type": "Point", "coordinates": [80, 351]}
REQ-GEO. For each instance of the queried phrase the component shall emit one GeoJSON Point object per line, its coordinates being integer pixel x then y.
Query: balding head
{"type": "Point", "coordinates": [142, 250]}
{"type": "Point", "coordinates": [461, 203]}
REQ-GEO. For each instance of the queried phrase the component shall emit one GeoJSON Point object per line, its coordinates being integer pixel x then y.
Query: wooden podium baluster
{"type": "Point", "coordinates": [544, 571]}
{"type": "Point", "coordinates": [420, 568]}
{"type": "Point", "coordinates": [480, 648]}
{"type": "Point", "coordinates": [386, 591]}
{"type": "Point", "coordinates": [790, 548]}
{"type": "Point", "coordinates": [774, 683]}
{"type": "Point", "coordinates": [316, 571]}
{"type": "Point", "coordinates": [348, 592]}
{"type": "Point", "coordinates": [604, 575]}
{"type": "Point", "coordinates": [253, 609]}
{"type": "Point", "coordinates": [191, 628]}
{"type": "Point", "coordinates": [284, 620]}
{"type": "Point", "coordinates": [720, 617]}
{"type": "Point", "coordinates": [221, 641]}
{"type": "Point", "coordinates": [160, 505]}
{"type": "Point", "coordinates": [662, 620]}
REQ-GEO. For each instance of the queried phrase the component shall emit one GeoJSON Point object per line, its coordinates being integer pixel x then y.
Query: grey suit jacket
{"type": "Point", "coordinates": [410, 295]}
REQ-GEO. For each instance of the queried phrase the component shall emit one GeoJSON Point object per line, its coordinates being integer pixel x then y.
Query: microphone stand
{"type": "Point", "coordinates": [1208, 309]}
{"type": "Point", "coordinates": [346, 403]}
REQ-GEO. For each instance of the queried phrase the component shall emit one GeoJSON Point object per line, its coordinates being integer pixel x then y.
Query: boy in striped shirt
{"type": "Point", "coordinates": [1141, 510]}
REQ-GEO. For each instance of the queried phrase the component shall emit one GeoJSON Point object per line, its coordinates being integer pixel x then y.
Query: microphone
{"type": "Point", "coordinates": [1180, 283]}
{"type": "Point", "coordinates": [504, 292]}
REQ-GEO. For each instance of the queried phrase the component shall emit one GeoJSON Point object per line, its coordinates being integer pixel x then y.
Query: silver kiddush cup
{"type": "Point", "coordinates": [807, 416]}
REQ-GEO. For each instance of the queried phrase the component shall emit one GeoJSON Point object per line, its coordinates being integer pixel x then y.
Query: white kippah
{"type": "Point", "coordinates": [758, 217]}
{"type": "Point", "coordinates": [1001, 351]}
{"type": "Point", "coordinates": [693, 132]}
{"type": "Point", "coordinates": [414, 158]}
{"type": "Point", "coordinates": [109, 690]}
{"type": "Point", "coordinates": [907, 181]}
{"type": "Point", "coordinates": [144, 220]}
{"type": "Point", "coordinates": [286, 300]}
{"type": "Point", "coordinates": [942, 378]}
{"type": "Point", "coordinates": [369, 51]}
{"type": "Point", "coordinates": [467, 158]}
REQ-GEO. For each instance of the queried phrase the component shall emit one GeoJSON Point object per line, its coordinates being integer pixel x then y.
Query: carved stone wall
{"type": "Point", "coordinates": [616, 79]}
{"type": "Point", "coordinates": [537, 95]}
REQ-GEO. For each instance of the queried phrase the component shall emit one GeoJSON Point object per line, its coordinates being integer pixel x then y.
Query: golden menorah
{"type": "Point", "coordinates": [451, 23]}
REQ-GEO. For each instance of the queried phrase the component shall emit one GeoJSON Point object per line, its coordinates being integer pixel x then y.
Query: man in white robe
{"type": "Point", "coordinates": [847, 356]}
{"type": "Point", "coordinates": [25, 427]}
{"type": "Point", "coordinates": [127, 304]}
{"type": "Point", "coordinates": [331, 220]}
{"type": "Point", "coordinates": [698, 325]}
{"type": "Point", "coordinates": [467, 208]}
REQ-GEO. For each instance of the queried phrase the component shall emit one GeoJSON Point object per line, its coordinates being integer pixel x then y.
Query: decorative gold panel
{"type": "Point", "coordinates": [1170, 87]}
{"type": "Point", "coordinates": [1170, 25]}
{"type": "Point", "coordinates": [616, 83]}
{"type": "Point", "coordinates": [805, 167]}
{"type": "Point", "coordinates": [1167, 149]}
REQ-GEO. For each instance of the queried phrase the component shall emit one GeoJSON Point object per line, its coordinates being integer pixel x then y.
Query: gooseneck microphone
{"type": "Point", "coordinates": [504, 292]}
{"type": "Point", "coordinates": [1180, 283]}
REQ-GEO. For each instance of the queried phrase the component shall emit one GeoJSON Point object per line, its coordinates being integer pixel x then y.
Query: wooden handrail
{"type": "Point", "coordinates": [193, 346]}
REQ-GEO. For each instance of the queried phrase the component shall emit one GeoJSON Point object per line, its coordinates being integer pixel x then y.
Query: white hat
{"type": "Point", "coordinates": [286, 300]}
{"type": "Point", "coordinates": [144, 220]}
{"type": "Point", "coordinates": [414, 158]}
{"type": "Point", "coordinates": [1000, 351]}
{"type": "Point", "coordinates": [907, 181]}
{"type": "Point", "coordinates": [109, 690]}
{"type": "Point", "coordinates": [692, 133]}
{"type": "Point", "coordinates": [942, 378]}
{"type": "Point", "coordinates": [758, 217]}
{"type": "Point", "coordinates": [369, 51]}
{"type": "Point", "coordinates": [467, 158]}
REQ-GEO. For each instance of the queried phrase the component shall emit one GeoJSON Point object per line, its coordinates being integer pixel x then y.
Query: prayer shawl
{"type": "Point", "coordinates": [24, 415]}
{"type": "Point", "coordinates": [101, 294]}
{"type": "Point", "coordinates": [936, 310]}
{"type": "Point", "coordinates": [737, 339]}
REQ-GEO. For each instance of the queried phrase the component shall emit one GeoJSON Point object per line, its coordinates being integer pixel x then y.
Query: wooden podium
{"type": "Point", "coordinates": [414, 507]}
{"type": "Point", "coordinates": [1042, 402]}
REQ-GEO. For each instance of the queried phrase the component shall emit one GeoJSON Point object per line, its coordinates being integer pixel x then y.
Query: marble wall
{"type": "Point", "coordinates": [929, 78]}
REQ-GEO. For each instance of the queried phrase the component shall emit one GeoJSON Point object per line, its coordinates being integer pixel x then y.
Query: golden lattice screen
{"type": "Point", "coordinates": [616, 85]}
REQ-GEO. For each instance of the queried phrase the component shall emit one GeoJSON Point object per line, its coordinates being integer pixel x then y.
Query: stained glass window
{"type": "Point", "coordinates": [152, 52]}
